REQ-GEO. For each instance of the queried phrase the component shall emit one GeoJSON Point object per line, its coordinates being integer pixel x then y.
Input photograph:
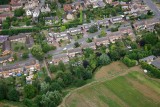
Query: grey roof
{"type": "Point", "coordinates": [75, 50]}
{"type": "Point", "coordinates": [88, 45]}
{"type": "Point", "coordinates": [101, 3]}
{"type": "Point", "coordinates": [148, 58]}
{"type": "Point", "coordinates": [29, 41]}
{"type": "Point", "coordinates": [6, 57]}
{"type": "Point", "coordinates": [22, 35]}
{"type": "Point", "coordinates": [4, 6]}
{"type": "Point", "coordinates": [156, 63]}
{"type": "Point", "coordinates": [3, 38]}
{"type": "Point", "coordinates": [102, 39]}
{"type": "Point", "coordinates": [49, 18]}
{"type": "Point", "coordinates": [59, 56]}
{"type": "Point", "coordinates": [6, 46]}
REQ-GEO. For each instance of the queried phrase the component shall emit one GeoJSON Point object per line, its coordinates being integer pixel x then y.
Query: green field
{"type": "Point", "coordinates": [131, 90]}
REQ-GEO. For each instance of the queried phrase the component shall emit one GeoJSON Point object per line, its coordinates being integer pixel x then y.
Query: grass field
{"type": "Point", "coordinates": [11, 104]}
{"type": "Point", "coordinates": [133, 89]}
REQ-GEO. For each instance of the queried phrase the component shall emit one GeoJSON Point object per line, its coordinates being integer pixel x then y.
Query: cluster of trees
{"type": "Point", "coordinates": [151, 70]}
{"type": "Point", "coordinates": [2, 2]}
{"type": "Point", "coordinates": [108, 11]}
{"type": "Point", "coordinates": [129, 62]}
{"type": "Point", "coordinates": [93, 29]}
{"type": "Point", "coordinates": [19, 12]}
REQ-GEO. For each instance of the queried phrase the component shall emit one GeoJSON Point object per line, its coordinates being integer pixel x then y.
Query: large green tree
{"type": "Point", "coordinates": [29, 91]}
{"type": "Point", "coordinates": [37, 52]}
{"type": "Point", "coordinates": [13, 94]}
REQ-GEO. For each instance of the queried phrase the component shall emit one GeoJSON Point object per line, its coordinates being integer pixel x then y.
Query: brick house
{"type": "Point", "coordinates": [16, 6]}
{"type": "Point", "coordinates": [3, 16]}
{"type": "Point", "coordinates": [89, 45]}
{"type": "Point", "coordinates": [5, 8]}
{"type": "Point", "coordinates": [103, 40]}
{"type": "Point", "coordinates": [114, 36]}
{"type": "Point", "coordinates": [74, 52]}
{"type": "Point", "coordinates": [6, 48]}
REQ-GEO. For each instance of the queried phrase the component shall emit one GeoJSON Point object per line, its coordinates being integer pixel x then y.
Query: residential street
{"type": "Point", "coordinates": [153, 7]}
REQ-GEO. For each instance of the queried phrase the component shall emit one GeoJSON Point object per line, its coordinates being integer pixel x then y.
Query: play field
{"type": "Point", "coordinates": [132, 89]}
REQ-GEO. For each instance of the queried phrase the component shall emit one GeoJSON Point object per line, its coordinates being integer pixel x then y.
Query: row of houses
{"type": "Point", "coordinates": [20, 68]}
{"type": "Point", "coordinates": [8, 8]}
{"type": "Point", "coordinates": [7, 40]}
{"type": "Point", "coordinates": [146, 24]}
{"type": "Point", "coordinates": [110, 38]}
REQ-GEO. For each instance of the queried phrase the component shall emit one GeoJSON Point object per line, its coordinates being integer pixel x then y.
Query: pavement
{"type": "Point", "coordinates": [153, 7]}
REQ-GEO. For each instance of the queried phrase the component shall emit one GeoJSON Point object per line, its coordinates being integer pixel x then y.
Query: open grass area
{"type": "Point", "coordinates": [11, 104]}
{"type": "Point", "coordinates": [132, 89]}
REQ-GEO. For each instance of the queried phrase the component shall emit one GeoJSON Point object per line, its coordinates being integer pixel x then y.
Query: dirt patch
{"type": "Point", "coordinates": [114, 68]}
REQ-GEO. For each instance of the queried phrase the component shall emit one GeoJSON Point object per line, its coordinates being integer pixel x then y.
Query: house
{"type": "Point", "coordinates": [49, 20]}
{"type": "Point", "coordinates": [139, 25]}
{"type": "Point", "coordinates": [45, 9]}
{"type": "Point", "coordinates": [117, 19]}
{"type": "Point", "coordinates": [74, 52]}
{"type": "Point", "coordinates": [151, 23]}
{"type": "Point", "coordinates": [36, 13]}
{"type": "Point", "coordinates": [125, 29]}
{"type": "Point", "coordinates": [148, 59]}
{"type": "Point", "coordinates": [19, 68]}
{"type": "Point", "coordinates": [109, 1]}
{"type": "Point", "coordinates": [16, 6]}
{"type": "Point", "coordinates": [6, 48]}
{"type": "Point", "coordinates": [29, 42]}
{"type": "Point", "coordinates": [70, 16]}
{"type": "Point", "coordinates": [28, 12]}
{"type": "Point", "coordinates": [6, 58]}
{"type": "Point", "coordinates": [5, 8]}
{"type": "Point", "coordinates": [67, 7]}
{"type": "Point", "coordinates": [88, 25]}
{"type": "Point", "coordinates": [156, 63]}
{"type": "Point", "coordinates": [101, 4]}
{"type": "Point", "coordinates": [114, 36]}
{"type": "Point", "coordinates": [74, 31]}
{"type": "Point", "coordinates": [103, 40]}
{"type": "Point", "coordinates": [3, 38]}
{"type": "Point", "coordinates": [88, 45]}
{"type": "Point", "coordinates": [3, 16]}
{"type": "Point", "coordinates": [19, 38]}
{"type": "Point", "coordinates": [15, 2]}
{"type": "Point", "coordinates": [103, 22]}
{"type": "Point", "coordinates": [60, 57]}
{"type": "Point", "coordinates": [61, 36]}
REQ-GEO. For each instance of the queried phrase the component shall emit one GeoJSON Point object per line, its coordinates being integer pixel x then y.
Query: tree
{"type": "Point", "coordinates": [104, 60]}
{"type": "Point", "coordinates": [52, 68]}
{"type": "Point", "coordinates": [103, 33]}
{"type": "Point", "coordinates": [62, 1]}
{"type": "Point", "coordinates": [51, 99]}
{"type": "Point", "coordinates": [76, 44]}
{"type": "Point", "coordinates": [45, 47]}
{"type": "Point", "coordinates": [2, 91]}
{"type": "Point", "coordinates": [37, 52]}
{"type": "Point", "coordinates": [5, 25]}
{"type": "Point", "coordinates": [55, 86]}
{"type": "Point", "coordinates": [19, 12]}
{"type": "Point", "coordinates": [15, 56]}
{"type": "Point", "coordinates": [61, 66]}
{"type": "Point", "coordinates": [63, 28]}
{"type": "Point", "coordinates": [29, 91]}
{"type": "Point", "coordinates": [25, 55]}
{"type": "Point", "coordinates": [129, 62]}
{"type": "Point", "coordinates": [44, 87]}
{"type": "Point", "coordinates": [28, 22]}
{"type": "Point", "coordinates": [13, 95]}
{"type": "Point", "coordinates": [93, 29]}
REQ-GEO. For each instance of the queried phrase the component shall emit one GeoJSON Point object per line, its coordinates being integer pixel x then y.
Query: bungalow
{"type": "Point", "coordinates": [117, 19]}
{"type": "Point", "coordinates": [5, 8]}
{"type": "Point", "coordinates": [74, 52]}
{"type": "Point", "coordinates": [103, 40]}
{"type": "Point", "coordinates": [3, 16]}
{"type": "Point", "coordinates": [148, 59]}
{"type": "Point", "coordinates": [89, 45]}
{"type": "Point", "coordinates": [16, 6]}
{"type": "Point", "coordinates": [156, 63]}
{"type": "Point", "coordinates": [60, 57]}
{"type": "Point", "coordinates": [30, 65]}
{"type": "Point", "coordinates": [6, 48]}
